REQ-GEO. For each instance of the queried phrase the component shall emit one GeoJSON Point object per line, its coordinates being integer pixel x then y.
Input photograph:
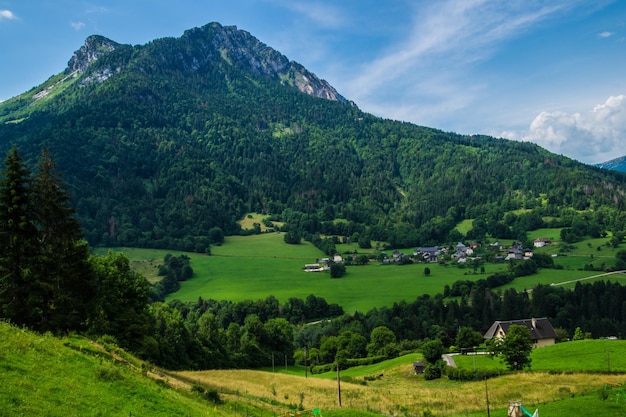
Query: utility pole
{"type": "Point", "coordinates": [487, 397]}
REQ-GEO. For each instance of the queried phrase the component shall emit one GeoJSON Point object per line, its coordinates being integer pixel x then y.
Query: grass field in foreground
{"type": "Point", "coordinates": [393, 389]}
{"type": "Point", "coordinates": [46, 376]}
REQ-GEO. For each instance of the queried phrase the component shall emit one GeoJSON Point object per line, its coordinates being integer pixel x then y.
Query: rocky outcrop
{"type": "Point", "coordinates": [95, 46]}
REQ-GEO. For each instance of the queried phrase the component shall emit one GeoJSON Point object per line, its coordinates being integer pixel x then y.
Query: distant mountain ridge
{"type": "Point", "coordinates": [163, 143]}
{"type": "Point", "coordinates": [617, 164]}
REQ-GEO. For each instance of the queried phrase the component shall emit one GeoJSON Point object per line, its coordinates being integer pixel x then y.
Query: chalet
{"type": "Point", "coordinates": [541, 242]}
{"type": "Point", "coordinates": [429, 253]}
{"type": "Point", "coordinates": [541, 330]}
{"type": "Point", "coordinates": [514, 254]}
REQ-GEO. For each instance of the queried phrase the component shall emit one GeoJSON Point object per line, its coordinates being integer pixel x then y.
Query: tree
{"type": "Point", "coordinates": [337, 270]}
{"type": "Point", "coordinates": [21, 292]}
{"type": "Point", "coordinates": [432, 351]}
{"type": "Point", "coordinates": [515, 348]}
{"type": "Point", "coordinates": [292, 237]}
{"type": "Point", "coordinates": [427, 271]}
{"type": "Point", "coordinates": [63, 257]}
{"type": "Point", "coordinates": [380, 337]}
{"type": "Point", "coordinates": [468, 338]}
{"type": "Point", "coordinates": [121, 308]}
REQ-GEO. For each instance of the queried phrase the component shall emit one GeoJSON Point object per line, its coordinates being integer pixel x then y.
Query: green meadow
{"type": "Point", "coordinates": [257, 266]}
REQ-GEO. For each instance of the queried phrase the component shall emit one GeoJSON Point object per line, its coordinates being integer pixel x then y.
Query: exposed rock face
{"type": "Point", "coordinates": [208, 45]}
{"type": "Point", "coordinates": [241, 48]}
{"type": "Point", "coordinates": [95, 46]}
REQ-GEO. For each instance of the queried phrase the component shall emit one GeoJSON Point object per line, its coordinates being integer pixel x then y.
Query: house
{"type": "Point", "coordinates": [514, 254]}
{"type": "Point", "coordinates": [428, 253]}
{"type": "Point", "coordinates": [541, 242]}
{"type": "Point", "coordinates": [541, 330]}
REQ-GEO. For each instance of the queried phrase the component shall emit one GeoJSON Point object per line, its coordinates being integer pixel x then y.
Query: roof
{"type": "Point", "coordinates": [539, 328]}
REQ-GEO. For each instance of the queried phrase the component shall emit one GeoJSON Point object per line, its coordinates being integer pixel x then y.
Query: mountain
{"type": "Point", "coordinates": [617, 164]}
{"type": "Point", "coordinates": [163, 143]}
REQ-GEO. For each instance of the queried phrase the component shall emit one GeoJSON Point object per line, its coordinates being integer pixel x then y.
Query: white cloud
{"type": "Point", "coordinates": [605, 34]}
{"type": "Point", "coordinates": [77, 25]}
{"type": "Point", "coordinates": [7, 14]}
{"type": "Point", "coordinates": [446, 39]}
{"type": "Point", "coordinates": [594, 136]}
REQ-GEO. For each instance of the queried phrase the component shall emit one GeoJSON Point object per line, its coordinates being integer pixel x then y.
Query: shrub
{"type": "Point", "coordinates": [457, 374]}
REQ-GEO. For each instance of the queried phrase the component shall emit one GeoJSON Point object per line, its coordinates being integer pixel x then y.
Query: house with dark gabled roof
{"type": "Point", "coordinates": [541, 330]}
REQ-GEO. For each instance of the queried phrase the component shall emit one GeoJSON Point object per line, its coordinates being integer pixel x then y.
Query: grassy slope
{"type": "Point", "coordinates": [45, 376]}
{"type": "Point", "coordinates": [399, 391]}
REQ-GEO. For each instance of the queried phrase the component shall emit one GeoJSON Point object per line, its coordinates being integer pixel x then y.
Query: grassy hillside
{"type": "Point", "coordinates": [391, 388]}
{"type": "Point", "coordinates": [43, 375]}
{"type": "Point", "coordinates": [46, 376]}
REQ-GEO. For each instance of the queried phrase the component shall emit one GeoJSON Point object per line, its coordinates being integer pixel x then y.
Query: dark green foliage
{"type": "Point", "coordinates": [432, 351]}
{"type": "Point", "coordinates": [515, 348]}
{"type": "Point", "coordinates": [46, 280]}
{"type": "Point", "coordinates": [458, 374]}
{"type": "Point", "coordinates": [468, 338]}
{"type": "Point", "coordinates": [121, 309]}
{"type": "Point", "coordinates": [434, 370]}
{"type": "Point", "coordinates": [337, 270]}
{"type": "Point", "coordinates": [292, 237]}
{"type": "Point", "coordinates": [22, 293]}
{"type": "Point", "coordinates": [174, 270]}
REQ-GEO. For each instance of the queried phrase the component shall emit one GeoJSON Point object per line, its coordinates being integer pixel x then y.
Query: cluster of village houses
{"type": "Point", "coordinates": [461, 254]}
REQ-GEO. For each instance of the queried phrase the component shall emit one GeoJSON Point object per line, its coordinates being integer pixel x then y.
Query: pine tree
{"type": "Point", "coordinates": [21, 294]}
{"type": "Point", "coordinates": [63, 260]}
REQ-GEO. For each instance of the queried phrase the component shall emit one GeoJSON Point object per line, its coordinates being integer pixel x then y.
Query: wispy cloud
{"type": "Point", "coordinates": [449, 35]}
{"type": "Point", "coordinates": [7, 15]}
{"type": "Point", "coordinates": [323, 14]}
{"type": "Point", "coordinates": [605, 34]}
{"type": "Point", "coordinates": [78, 25]}
{"type": "Point", "coordinates": [598, 133]}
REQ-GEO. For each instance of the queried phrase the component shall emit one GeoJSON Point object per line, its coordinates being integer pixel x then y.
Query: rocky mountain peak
{"type": "Point", "coordinates": [95, 46]}
{"type": "Point", "coordinates": [239, 47]}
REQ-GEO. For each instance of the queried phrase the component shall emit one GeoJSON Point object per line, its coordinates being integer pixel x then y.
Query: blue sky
{"type": "Point", "coordinates": [548, 71]}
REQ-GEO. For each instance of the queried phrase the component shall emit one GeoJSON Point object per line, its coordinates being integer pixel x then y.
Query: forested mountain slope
{"type": "Point", "coordinates": [163, 142]}
{"type": "Point", "coordinates": [617, 164]}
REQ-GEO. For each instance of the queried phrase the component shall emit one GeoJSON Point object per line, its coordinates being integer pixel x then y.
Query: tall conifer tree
{"type": "Point", "coordinates": [21, 294]}
{"type": "Point", "coordinates": [63, 260]}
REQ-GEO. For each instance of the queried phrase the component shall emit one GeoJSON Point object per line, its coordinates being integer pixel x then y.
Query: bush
{"type": "Point", "coordinates": [456, 374]}
{"type": "Point", "coordinates": [433, 371]}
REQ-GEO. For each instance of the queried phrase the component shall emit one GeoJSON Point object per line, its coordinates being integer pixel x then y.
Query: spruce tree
{"type": "Point", "coordinates": [63, 259]}
{"type": "Point", "coordinates": [21, 293]}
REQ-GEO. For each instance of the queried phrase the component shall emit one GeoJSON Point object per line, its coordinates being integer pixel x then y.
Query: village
{"type": "Point", "coordinates": [460, 254]}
